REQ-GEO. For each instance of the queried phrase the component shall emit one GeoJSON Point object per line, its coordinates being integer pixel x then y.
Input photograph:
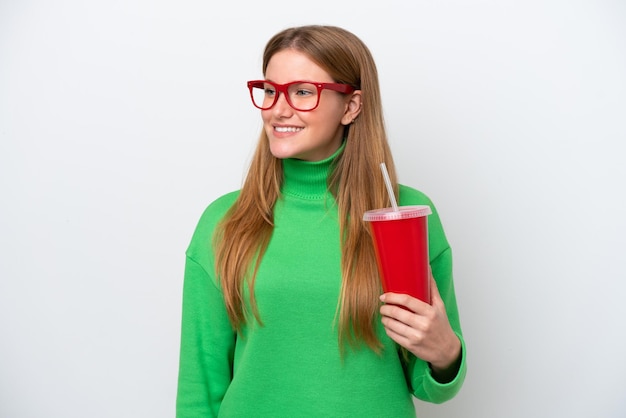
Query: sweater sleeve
{"type": "Point", "coordinates": [207, 346]}
{"type": "Point", "coordinates": [207, 341]}
{"type": "Point", "coordinates": [422, 383]}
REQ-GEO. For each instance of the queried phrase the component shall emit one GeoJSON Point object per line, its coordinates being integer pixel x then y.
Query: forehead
{"type": "Point", "coordinates": [290, 65]}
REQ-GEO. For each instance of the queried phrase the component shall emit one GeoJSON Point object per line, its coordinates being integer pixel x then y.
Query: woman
{"type": "Point", "coordinates": [282, 313]}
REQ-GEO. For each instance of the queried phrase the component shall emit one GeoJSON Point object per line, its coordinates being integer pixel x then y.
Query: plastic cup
{"type": "Point", "coordinates": [400, 240]}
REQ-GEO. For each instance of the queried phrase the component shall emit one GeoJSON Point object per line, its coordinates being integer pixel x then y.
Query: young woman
{"type": "Point", "coordinates": [282, 312]}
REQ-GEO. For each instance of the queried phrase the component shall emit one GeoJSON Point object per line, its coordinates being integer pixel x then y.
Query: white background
{"type": "Point", "coordinates": [121, 120]}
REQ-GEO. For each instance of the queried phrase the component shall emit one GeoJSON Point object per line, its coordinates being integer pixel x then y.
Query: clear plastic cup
{"type": "Point", "coordinates": [401, 243]}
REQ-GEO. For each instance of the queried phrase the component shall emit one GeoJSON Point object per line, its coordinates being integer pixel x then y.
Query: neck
{"type": "Point", "coordinates": [308, 179]}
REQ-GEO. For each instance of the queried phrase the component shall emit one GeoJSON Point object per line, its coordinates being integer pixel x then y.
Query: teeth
{"type": "Point", "coordinates": [287, 129]}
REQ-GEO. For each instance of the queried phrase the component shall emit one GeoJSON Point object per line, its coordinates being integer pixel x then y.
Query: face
{"type": "Point", "coordinates": [310, 136]}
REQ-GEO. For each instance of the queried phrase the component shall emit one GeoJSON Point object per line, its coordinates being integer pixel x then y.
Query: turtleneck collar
{"type": "Point", "coordinates": [308, 179]}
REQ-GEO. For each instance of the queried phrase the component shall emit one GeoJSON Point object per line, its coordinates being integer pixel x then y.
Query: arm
{"type": "Point", "coordinates": [436, 365]}
{"type": "Point", "coordinates": [207, 346]}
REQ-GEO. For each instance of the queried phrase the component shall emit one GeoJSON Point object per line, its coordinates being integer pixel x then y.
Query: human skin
{"type": "Point", "coordinates": [313, 135]}
{"type": "Point", "coordinates": [424, 330]}
{"type": "Point", "coordinates": [316, 135]}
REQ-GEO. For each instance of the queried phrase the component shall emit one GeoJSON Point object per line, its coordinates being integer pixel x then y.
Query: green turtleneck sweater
{"type": "Point", "coordinates": [291, 366]}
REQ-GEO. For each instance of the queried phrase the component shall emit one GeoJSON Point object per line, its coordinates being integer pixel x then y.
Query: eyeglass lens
{"type": "Point", "coordinates": [301, 96]}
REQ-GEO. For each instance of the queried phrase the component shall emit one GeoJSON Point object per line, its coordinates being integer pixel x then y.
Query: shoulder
{"type": "Point", "coordinates": [411, 196]}
{"type": "Point", "coordinates": [220, 205]}
{"type": "Point", "coordinates": [217, 209]}
{"type": "Point", "coordinates": [437, 237]}
{"type": "Point", "coordinates": [211, 216]}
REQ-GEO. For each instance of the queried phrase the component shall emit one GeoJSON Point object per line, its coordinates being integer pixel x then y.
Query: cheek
{"type": "Point", "coordinates": [336, 111]}
{"type": "Point", "coordinates": [266, 118]}
{"type": "Point", "coordinates": [265, 115]}
{"type": "Point", "coordinates": [331, 119]}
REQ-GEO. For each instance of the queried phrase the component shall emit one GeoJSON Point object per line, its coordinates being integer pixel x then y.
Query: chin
{"type": "Point", "coordinates": [283, 154]}
{"type": "Point", "coordinates": [281, 151]}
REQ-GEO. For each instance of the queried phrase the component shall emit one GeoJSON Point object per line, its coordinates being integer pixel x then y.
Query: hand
{"type": "Point", "coordinates": [424, 331]}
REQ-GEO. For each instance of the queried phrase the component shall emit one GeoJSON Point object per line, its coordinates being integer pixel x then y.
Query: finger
{"type": "Point", "coordinates": [397, 313]}
{"type": "Point", "coordinates": [435, 297]}
{"type": "Point", "coordinates": [403, 321]}
{"type": "Point", "coordinates": [403, 324]}
{"type": "Point", "coordinates": [434, 290]}
{"type": "Point", "coordinates": [403, 299]}
{"type": "Point", "coordinates": [398, 337]}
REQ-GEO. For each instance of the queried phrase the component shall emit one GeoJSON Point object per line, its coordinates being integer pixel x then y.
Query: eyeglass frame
{"type": "Point", "coordinates": [282, 88]}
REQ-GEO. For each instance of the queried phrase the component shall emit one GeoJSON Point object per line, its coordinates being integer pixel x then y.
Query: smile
{"type": "Point", "coordinates": [287, 129]}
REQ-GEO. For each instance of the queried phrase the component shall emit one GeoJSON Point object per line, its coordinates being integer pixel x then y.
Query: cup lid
{"type": "Point", "coordinates": [403, 212]}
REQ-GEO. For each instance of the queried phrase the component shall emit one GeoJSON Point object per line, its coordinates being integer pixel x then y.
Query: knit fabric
{"type": "Point", "coordinates": [291, 366]}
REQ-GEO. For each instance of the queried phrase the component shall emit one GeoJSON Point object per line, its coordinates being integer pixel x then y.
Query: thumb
{"type": "Point", "coordinates": [435, 297]}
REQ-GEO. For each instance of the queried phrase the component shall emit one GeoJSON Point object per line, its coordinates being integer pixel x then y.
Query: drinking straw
{"type": "Point", "coordinates": [392, 196]}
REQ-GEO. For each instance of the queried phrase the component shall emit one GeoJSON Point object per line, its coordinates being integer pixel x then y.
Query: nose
{"type": "Point", "coordinates": [282, 107]}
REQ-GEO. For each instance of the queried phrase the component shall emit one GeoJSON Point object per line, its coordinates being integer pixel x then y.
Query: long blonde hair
{"type": "Point", "coordinates": [243, 235]}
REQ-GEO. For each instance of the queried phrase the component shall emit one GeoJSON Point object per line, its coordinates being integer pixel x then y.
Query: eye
{"type": "Point", "coordinates": [304, 92]}
{"type": "Point", "coordinates": [269, 91]}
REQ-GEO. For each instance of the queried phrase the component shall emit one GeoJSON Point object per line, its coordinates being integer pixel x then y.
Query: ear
{"type": "Point", "coordinates": [353, 108]}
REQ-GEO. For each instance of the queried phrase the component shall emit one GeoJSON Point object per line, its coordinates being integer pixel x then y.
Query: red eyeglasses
{"type": "Point", "coordinates": [303, 96]}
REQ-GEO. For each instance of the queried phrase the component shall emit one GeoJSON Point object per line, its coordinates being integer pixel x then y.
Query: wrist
{"type": "Point", "coordinates": [445, 371]}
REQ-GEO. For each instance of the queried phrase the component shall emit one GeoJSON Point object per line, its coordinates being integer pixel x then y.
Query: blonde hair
{"type": "Point", "coordinates": [243, 235]}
